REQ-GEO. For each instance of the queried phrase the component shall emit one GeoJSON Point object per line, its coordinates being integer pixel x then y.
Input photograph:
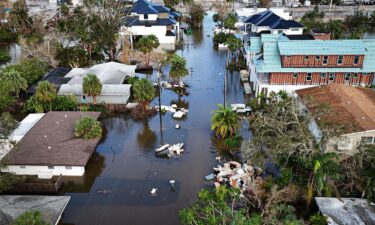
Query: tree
{"type": "Point", "coordinates": [225, 122]}
{"type": "Point", "coordinates": [92, 86]}
{"type": "Point", "coordinates": [265, 3]}
{"type": "Point", "coordinates": [4, 57]}
{"type": "Point", "coordinates": [178, 67]}
{"type": "Point", "coordinates": [45, 94]}
{"type": "Point", "coordinates": [30, 218]}
{"type": "Point", "coordinates": [6, 99]}
{"type": "Point", "coordinates": [14, 81]}
{"type": "Point", "coordinates": [146, 45]}
{"type": "Point", "coordinates": [143, 91]}
{"type": "Point", "coordinates": [196, 13]}
{"type": "Point", "coordinates": [21, 14]}
{"type": "Point", "coordinates": [217, 207]}
{"type": "Point", "coordinates": [234, 44]}
{"type": "Point", "coordinates": [230, 21]}
{"type": "Point", "coordinates": [88, 128]}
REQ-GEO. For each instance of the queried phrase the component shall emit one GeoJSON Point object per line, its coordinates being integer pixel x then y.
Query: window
{"type": "Point", "coordinates": [295, 75]}
{"type": "Point", "coordinates": [84, 97]}
{"type": "Point", "coordinates": [306, 57]}
{"type": "Point", "coordinates": [364, 74]}
{"type": "Point", "coordinates": [294, 29]}
{"type": "Point", "coordinates": [309, 77]}
{"type": "Point", "coordinates": [146, 16]}
{"type": "Point", "coordinates": [356, 59]}
{"type": "Point", "coordinates": [368, 140]}
{"type": "Point", "coordinates": [68, 167]}
{"type": "Point", "coordinates": [317, 57]}
{"type": "Point", "coordinates": [332, 77]}
{"type": "Point", "coordinates": [339, 60]}
{"type": "Point", "coordinates": [322, 75]}
{"type": "Point", "coordinates": [347, 76]}
{"type": "Point", "coordinates": [23, 167]}
{"type": "Point", "coordinates": [355, 75]}
{"type": "Point", "coordinates": [325, 60]}
{"type": "Point", "coordinates": [51, 167]}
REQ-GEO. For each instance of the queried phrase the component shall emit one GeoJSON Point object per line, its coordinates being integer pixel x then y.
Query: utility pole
{"type": "Point", "coordinates": [160, 112]}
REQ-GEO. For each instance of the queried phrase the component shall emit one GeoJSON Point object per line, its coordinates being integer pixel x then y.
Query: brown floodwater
{"type": "Point", "coordinates": [119, 178]}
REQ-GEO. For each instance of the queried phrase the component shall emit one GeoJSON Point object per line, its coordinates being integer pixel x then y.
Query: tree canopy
{"type": "Point", "coordinates": [146, 45]}
{"type": "Point", "coordinates": [92, 86]}
{"type": "Point", "coordinates": [225, 122]}
{"type": "Point", "coordinates": [45, 93]}
{"type": "Point", "coordinates": [88, 128]}
{"type": "Point", "coordinates": [178, 67]}
{"type": "Point", "coordinates": [143, 91]}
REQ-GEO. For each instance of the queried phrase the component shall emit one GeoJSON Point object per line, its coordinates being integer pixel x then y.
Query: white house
{"type": "Point", "coordinates": [50, 149]}
{"type": "Point", "coordinates": [112, 76]}
{"type": "Point", "coordinates": [272, 22]}
{"type": "Point", "coordinates": [148, 18]}
{"type": "Point", "coordinates": [354, 106]}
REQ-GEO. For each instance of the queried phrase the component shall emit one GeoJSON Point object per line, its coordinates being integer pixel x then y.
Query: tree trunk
{"type": "Point", "coordinates": [228, 57]}
{"type": "Point", "coordinates": [94, 99]}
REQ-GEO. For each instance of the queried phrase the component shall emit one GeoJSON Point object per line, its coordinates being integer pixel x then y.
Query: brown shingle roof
{"type": "Point", "coordinates": [351, 104]}
{"type": "Point", "coordinates": [51, 142]}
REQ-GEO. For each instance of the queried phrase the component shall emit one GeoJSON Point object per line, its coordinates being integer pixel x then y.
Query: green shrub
{"type": "Point", "coordinates": [30, 218]}
{"type": "Point", "coordinates": [6, 35]}
{"type": "Point", "coordinates": [318, 219]}
{"type": "Point", "coordinates": [132, 80]}
{"type": "Point", "coordinates": [87, 128]}
{"type": "Point", "coordinates": [4, 57]}
{"type": "Point", "coordinates": [33, 106]}
{"type": "Point", "coordinates": [233, 142]}
{"type": "Point", "coordinates": [64, 103]}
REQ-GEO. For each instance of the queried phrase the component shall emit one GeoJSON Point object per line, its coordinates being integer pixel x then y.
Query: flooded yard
{"type": "Point", "coordinates": [116, 187]}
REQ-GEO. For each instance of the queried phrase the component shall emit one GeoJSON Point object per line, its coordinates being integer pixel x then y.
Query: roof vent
{"type": "Point", "coordinates": [66, 115]}
{"type": "Point", "coordinates": [348, 102]}
{"type": "Point", "coordinates": [49, 147]}
{"type": "Point", "coordinates": [363, 117]}
{"type": "Point", "coordinates": [57, 122]}
{"type": "Point", "coordinates": [45, 136]}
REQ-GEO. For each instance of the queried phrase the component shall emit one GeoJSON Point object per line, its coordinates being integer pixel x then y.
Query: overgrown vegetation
{"type": "Point", "coordinates": [32, 217]}
{"type": "Point", "coordinates": [88, 128]}
{"type": "Point", "coordinates": [4, 57]}
{"type": "Point", "coordinates": [225, 122]}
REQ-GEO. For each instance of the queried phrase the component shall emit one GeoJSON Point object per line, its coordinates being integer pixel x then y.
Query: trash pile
{"type": "Point", "coordinates": [168, 150]}
{"type": "Point", "coordinates": [234, 174]}
{"type": "Point", "coordinates": [241, 108]}
{"type": "Point", "coordinates": [178, 113]}
{"type": "Point", "coordinates": [170, 85]}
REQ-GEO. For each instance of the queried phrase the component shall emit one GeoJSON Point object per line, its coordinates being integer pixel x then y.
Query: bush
{"type": "Point", "coordinates": [33, 106]}
{"type": "Point", "coordinates": [30, 218]}
{"type": "Point", "coordinates": [233, 142]}
{"type": "Point", "coordinates": [87, 128]}
{"type": "Point", "coordinates": [4, 57]}
{"type": "Point", "coordinates": [221, 38]}
{"type": "Point", "coordinates": [6, 35]}
{"type": "Point", "coordinates": [318, 219]}
{"type": "Point", "coordinates": [132, 80]}
{"type": "Point", "coordinates": [64, 103]}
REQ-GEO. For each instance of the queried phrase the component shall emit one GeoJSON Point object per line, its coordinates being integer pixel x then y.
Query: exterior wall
{"type": "Point", "coordinates": [107, 99]}
{"type": "Point", "coordinates": [158, 31]}
{"type": "Point", "coordinates": [292, 31]}
{"type": "Point", "coordinates": [150, 17]}
{"type": "Point", "coordinates": [44, 171]}
{"type": "Point", "coordinates": [288, 79]}
{"type": "Point", "coordinates": [267, 89]}
{"type": "Point", "coordinates": [300, 61]}
{"type": "Point", "coordinates": [347, 143]}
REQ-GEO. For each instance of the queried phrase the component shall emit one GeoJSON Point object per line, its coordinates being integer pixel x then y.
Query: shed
{"type": "Point", "coordinates": [111, 94]}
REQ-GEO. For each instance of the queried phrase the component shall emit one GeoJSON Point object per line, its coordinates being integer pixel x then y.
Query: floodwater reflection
{"type": "Point", "coordinates": [146, 138]}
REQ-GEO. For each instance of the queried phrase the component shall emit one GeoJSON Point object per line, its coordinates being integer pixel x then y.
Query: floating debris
{"type": "Point", "coordinates": [153, 191]}
{"type": "Point", "coordinates": [170, 150]}
{"type": "Point", "coordinates": [177, 126]}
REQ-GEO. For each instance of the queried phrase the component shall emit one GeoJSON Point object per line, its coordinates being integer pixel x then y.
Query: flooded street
{"type": "Point", "coordinates": [118, 180]}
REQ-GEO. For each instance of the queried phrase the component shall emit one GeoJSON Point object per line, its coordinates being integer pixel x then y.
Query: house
{"type": "Point", "coordinates": [352, 107]}
{"type": "Point", "coordinates": [148, 18]}
{"type": "Point", "coordinates": [345, 211]}
{"type": "Point", "coordinates": [270, 21]}
{"type": "Point", "coordinates": [51, 207]}
{"type": "Point", "coordinates": [22, 128]}
{"type": "Point", "coordinates": [112, 76]}
{"type": "Point", "coordinates": [50, 149]}
{"type": "Point", "coordinates": [279, 62]}
{"type": "Point", "coordinates": [55, 77]}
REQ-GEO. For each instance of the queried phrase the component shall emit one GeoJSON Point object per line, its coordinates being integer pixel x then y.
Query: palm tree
{"type": "Point", "coordinates": [225, 122]}
{"type": "Point", "coordinates": [143, 91]}
{"type": "Point", "coordinates": [92, 86]}
{"type": "Point", "coordinates": [178, 67]}
{"type": "Point", "coordinates": [234, 44]}
{"type": "Point", "coordinates": [88, 128]}
{"type": "Point", "coordinates": [13, 80]}
{"type": "Point", "coordinates": [146, 45]}
{"type": "Point", "coordinates": [45, 93]}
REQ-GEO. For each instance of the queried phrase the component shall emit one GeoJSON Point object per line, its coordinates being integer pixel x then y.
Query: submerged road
{"type": "Point", "coordinates": [118, 180]}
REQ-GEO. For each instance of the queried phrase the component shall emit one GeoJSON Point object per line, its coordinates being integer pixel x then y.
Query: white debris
{"type": "Point", "coordinates": [179, 114]}
{"type": "Point", "coordinates": [162, 148]}
{"type": "Point", "coordinates": [170, 150]}
{"type": "Point", "coordinates": [174, 106]}
{"type": "Point", "coordinates": [177, 126]}
{"type": "Point", "coordinates": [153, 191]}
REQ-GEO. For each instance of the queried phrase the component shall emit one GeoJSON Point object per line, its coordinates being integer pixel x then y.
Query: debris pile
{"type": "Point", "coordinates": [241, 108]}
{"type": "Point", "coordinates": [234, 174]}
{"type": "Point", "coordinates": [170, 85]}
{"type": "Point", "coordinates": [168, 150]}
{"type": "Point", "coordinates": [178, 113]}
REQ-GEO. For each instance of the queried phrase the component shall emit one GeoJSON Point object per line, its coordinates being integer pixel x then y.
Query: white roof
{"type": "Point", "coordinates": [23, 127]}
{"type": "Point", "coordinates": [107, 73]}
{"type": "Point", "coordinates": [109, 89]}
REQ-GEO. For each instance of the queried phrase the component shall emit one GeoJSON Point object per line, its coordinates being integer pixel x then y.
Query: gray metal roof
{"type": "Point", "coordinates": [51, 207]}
{"type": "Point", "coordinates": [107, 73]}
{"type": "Point", "coordinates": [347, 211]}
{"type": "Point", "coordinates": [109, 89]}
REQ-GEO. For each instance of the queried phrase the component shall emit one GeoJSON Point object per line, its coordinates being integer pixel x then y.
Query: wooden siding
{"type": "Point", "coordinates": [316, 79]}
{"type": "Point", "coordinates": [299, 61]}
